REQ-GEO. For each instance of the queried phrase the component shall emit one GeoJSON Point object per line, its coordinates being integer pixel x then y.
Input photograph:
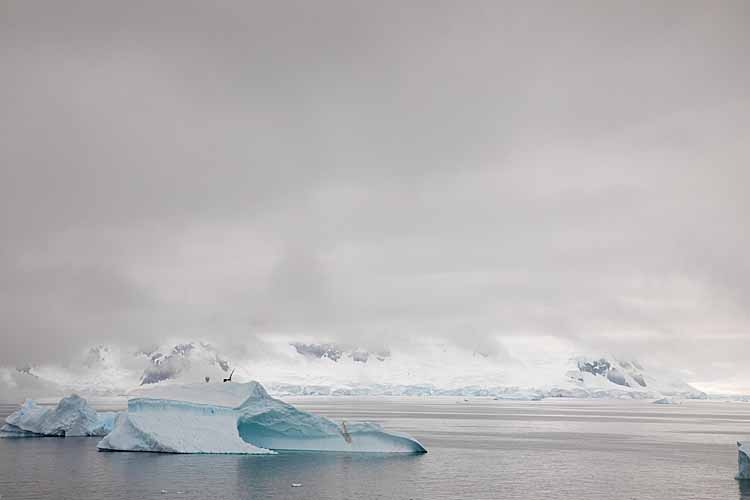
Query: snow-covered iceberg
{"type": "Point", "coordinates": [208, 418]}
{"type": "Point", "coordinates": [743, 461]}
{"type": "Point", "coordinates": [71, 417]}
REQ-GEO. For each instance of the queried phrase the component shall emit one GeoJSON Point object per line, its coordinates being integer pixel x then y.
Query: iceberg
{"type": "Point", "coordinates": [71, 417]}
{"type": "Point", "coordinates": [743, 461]}
{"type": "Point", "coordinates": [211, 418]}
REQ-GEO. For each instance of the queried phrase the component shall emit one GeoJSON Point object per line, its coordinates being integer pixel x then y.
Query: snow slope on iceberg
{"type": "Point", "coordinates": [272, 423]}
{"type": "Point", "coordinates": [230, 395]}
{"type": "Point", "coordinates": [258, 425]}
{"type": "Point", "coordinates": [71, 417]}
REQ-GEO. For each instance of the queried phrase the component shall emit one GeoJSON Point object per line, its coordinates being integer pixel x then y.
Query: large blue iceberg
{"type": "Point", "coordinates": [71, 417]}
{"type": "Point", "coordinates": [205, 418]}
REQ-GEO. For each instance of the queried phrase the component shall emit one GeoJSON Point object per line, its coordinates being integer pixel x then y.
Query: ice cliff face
{"type": "Point", "coordinates": [743, 461]}
{"type": "Point", "coordinates": [71, 417]}
{"type": "Point", "coordinates": [259, 424]}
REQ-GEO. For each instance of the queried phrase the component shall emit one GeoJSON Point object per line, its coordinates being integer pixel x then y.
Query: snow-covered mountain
{"type": "Point", "coordinates": [104, 370]}
{"type": "Point", "coordinates": [522, 369]}
{"type": "Point", "coordinates": [335, 352]}
{"type": "Point", "coordinates": [475, 374]}
{"type": "Point", "coordinates": [181, 358]}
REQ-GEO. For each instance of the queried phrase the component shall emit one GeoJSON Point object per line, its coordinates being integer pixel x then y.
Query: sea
{"type": "Point", "coordinates": [478, 448]}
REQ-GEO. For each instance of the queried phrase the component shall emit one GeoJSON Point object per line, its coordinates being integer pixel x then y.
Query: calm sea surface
{"type": "Point", "coordinates": [478, 449]}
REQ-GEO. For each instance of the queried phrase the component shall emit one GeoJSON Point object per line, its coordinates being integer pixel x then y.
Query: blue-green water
{"type": "Point", "coordinates": [480, 449]}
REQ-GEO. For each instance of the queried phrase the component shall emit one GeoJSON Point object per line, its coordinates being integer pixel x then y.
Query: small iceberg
{"type": "Point", "coordinates": [207, 419]}
{"type": "Point", "coordinates": [743, 461]}
{"type": "Point", "coordinates": [71, 417]}
{"type": "Point", "coordinates": [665, 401]}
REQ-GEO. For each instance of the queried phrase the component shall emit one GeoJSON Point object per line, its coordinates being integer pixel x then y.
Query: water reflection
{"type": "Point", "coordinates": [327, 475]}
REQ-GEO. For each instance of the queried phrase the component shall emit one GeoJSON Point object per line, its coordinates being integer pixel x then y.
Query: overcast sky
{"type": "Point", "coordinates": [366, 171]}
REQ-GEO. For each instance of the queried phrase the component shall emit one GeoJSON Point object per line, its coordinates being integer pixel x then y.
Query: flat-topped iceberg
{"type": "Point", "coordinates": [743, 461]}
{"type": "Point", "coordinates": [71, 417]}
{"type": "Point", "coordinates": [238, 418]}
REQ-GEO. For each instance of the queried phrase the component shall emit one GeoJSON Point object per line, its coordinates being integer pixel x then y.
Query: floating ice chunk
{"type": "Point", "coordinates": [71, 417]}
{"type": "Point", "coordinates": [743, 461]}
{"type": "Point", "coordinates": [520, 396]}
{"type": "Point", "coordinates": [665, 401]}
{"type": "Point", "coordinates": [258, 425]}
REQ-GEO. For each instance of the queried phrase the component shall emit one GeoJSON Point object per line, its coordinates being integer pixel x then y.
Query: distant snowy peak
{"type": "Point", "coordinates": [623, 373]}
{"type": "Point", "coordinates": [99, 356]}
{"type": "Point", "coordinates": [26, 369]}
{"type": "Point", "coordinates": [598, 376]}
{"type": "Point", "coordinates": [335, 352]}
{"type": "Point", "coordinates": [612, 373]}
{"type": "Point", "coordinates": [178, 360]}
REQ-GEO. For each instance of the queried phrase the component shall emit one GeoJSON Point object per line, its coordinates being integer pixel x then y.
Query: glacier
{"type": "Point", "coordinates": [239, 418]}
{"type": "Point", "coordinates": [71, 417]}
{"type": "Point", "coordinates": [743, 461]}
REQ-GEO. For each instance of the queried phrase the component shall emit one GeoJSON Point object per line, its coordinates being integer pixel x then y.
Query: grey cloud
{"type": "Point", "coordinates": [368, 173]}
